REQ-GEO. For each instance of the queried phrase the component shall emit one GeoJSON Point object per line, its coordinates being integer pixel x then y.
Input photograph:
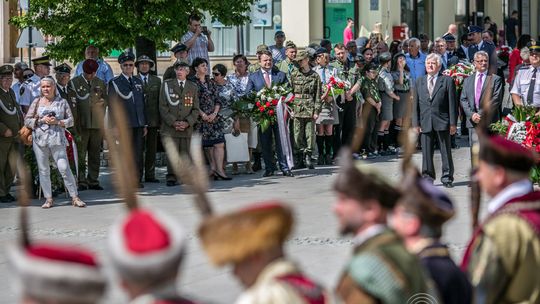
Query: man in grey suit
{"type": "Point", "coordinates": [474, 90]}
{"type": "Point", "coordinates": [435, 117]}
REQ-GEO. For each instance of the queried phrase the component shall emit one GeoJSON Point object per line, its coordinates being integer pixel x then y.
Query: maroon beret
{"type": "Point", "coordinates": [500, 151]}
{"type": "Point", "coordinates": [90, 66]}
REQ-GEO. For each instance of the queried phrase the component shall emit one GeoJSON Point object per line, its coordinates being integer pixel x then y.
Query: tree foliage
{"type": "Point", "coordinates": [117, 24]}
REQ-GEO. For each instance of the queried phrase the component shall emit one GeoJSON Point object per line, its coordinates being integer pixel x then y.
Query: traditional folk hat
{"type": "Point", "coordinates": [126, 56]}
{"type": "Point", "coordinates": [144, 58]}
{"type": "Point", "coordinates": [146, 245]}
{"type": "Point", "coordinates": [233, 237]}
{"type": "Point", "coordinates": [41, 60]}
{"type": "Point", "coordinates": [361, 182]}
{"type": "Point", "coordinates": [420, 197]}
{"type": "Point", "coordinates": [63, 69]}
{"type": "Point", "coordinates": [90, 66]}
{"type": "Point", "coordinates": [179, 47]}
{"type": "Point", "coordinates": [500, 151]}
{"type": "Point", "coordinates": [58, 273]}
{"type": "Point", "coordinates": [6, 69]}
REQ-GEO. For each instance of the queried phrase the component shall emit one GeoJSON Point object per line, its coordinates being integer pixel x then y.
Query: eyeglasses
{"type": "Point", "coordinates": [216, 74]}
{"type": "Point", "coordinates": [128, 65]}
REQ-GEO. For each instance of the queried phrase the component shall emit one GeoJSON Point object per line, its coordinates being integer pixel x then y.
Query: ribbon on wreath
{"type": "Point", "coordinates": [283, 113]}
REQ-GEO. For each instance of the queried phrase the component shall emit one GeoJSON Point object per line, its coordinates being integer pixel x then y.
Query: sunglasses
{"type": "Point", "coordinates": [128, 65]}
{"type": "Point", "coordinates": [216, 74]}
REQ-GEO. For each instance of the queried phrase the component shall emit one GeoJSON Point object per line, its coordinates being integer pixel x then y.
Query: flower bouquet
{"type": "Point", "coordinates": [265, 103]}
{"type": "Point", "coordinates": [522, 127]}
{"type": "Point", "coordinates": [503, 55]}
{"type": "Point", "coordinates": [459, 72]}
{"type": "Point", "coordinates": [336, 87]}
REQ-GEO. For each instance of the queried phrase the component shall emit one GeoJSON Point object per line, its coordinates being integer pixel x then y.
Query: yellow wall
{"type": "Point", "coordinates": [444, 13]}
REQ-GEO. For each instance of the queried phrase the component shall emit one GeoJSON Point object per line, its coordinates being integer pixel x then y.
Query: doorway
{"type": "Point", "coordinates": [336, 13]}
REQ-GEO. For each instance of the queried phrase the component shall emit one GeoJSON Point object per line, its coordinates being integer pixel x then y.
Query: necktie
{"type": "Point", "coordinates": [324, 75]}
{"type": "Point", "coordinates": [267, 79]}
{"type": "Point", "coordinates": [530, 92]}
{"type": "Point", "coordinates": [130, 83]}
{"type": "Point", "coordinates": [431, 85]}
{"type": "Point", "coordinates": [478, 91]}
{"type": "Point", "coordinates": [145, 80]}
{"type": "Point", "coordinates": [181, 85]}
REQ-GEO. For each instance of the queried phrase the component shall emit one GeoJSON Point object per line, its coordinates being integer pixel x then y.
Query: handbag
{"type": "Point", "coordinates": [25, 133]}
{"type": "Point", "coordinates": [237, 148]}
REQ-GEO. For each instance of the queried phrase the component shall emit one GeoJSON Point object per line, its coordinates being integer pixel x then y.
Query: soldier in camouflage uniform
{"type": "Point", "coordinates": [287, 66]}
{"type": "Point", "coordinates": [307, 89]}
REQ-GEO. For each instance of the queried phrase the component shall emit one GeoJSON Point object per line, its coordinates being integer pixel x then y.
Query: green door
{"type": "Point", "coordinates": [336, 13]}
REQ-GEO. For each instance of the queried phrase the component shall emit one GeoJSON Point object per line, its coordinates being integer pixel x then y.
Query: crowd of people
{"type": "Point", "coordinates": [398, 253]}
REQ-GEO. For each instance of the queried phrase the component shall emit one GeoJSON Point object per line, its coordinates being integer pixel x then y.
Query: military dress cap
{"type": "Point", "coordinates": [290, 45]}
{"type": "Point", "coordinates": [20, 65]}
{"type": "Point", "coordinates": [497, 150]}
{"type": "Point", "coordinates": [126, 56]}
{"type": "Point", "coordinates": [235, 236]}
{"type": "Point", "coordinates": [90, 66]}
{"type": "Point", "coordinates": [180, 63]}
{"type": "Point", "coordinates": [63, 68]}
{"type": "Point", "coordinates": [179, 47]}
{"type": "Point", "coordinates": [262, 48]}
{"type": "Point", "coordinates": [6, 69]}
{"type": "Point", "coordinates": [420, 197]}
{"type": "Point", "coordinates": [533, 46]}
{"type": "Point", "coordinates": [301, 56]}
{"type": "Point", "coordinates": [449, 37]}
{"type": "Point", "coordinates": [474, 29]}
{"type": "Point", "coordinates": [385, 57]}
{"type": "Point", "coordinates": [279, 33]}
{"type": "Point", "coordinates": [57, 272]}
{"type": "Point", "coordinates": [41, 60]}
{"type": "Point", "coordinates": [146, 245]}
{"type": "Point", "coordinates": [320, 50]}
{"type": "Point", "coordinates": [144, 58]}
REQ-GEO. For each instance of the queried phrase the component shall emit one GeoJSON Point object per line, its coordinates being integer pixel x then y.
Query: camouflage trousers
{"type": "Point", "coordinates": [304, 135]}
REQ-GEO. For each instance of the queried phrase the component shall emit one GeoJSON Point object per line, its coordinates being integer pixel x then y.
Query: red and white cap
{"type": "Point", "coordinates": [146, 245]}
{"type": "Point", "coordinates": [57, 272]}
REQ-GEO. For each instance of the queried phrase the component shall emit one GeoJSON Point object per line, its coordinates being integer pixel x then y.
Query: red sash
{"type": "Point", "coordinates": [311, 292]}
{"type": "Point", "coordinates": [526, 207]}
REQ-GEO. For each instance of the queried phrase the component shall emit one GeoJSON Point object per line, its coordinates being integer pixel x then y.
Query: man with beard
{"type": "Point", "coordinates": [381, 269]}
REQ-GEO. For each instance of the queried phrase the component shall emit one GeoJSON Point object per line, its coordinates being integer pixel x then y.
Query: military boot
{"type": "Point", "coordinates": [307, 160]}
{"type": "Point", "coordinates": [298, 161]}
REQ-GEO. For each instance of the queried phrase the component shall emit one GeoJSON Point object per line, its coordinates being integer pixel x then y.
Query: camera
{"type": "Point", "coordinates": [49, 113]}
{"type": "Point", "coordinates": [205, 30]}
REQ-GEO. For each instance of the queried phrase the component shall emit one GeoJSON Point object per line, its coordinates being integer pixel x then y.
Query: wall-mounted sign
{"type": "Point", "coordinates": [374, 5]}
{"type": "Point", "coordinates": [261, 13]}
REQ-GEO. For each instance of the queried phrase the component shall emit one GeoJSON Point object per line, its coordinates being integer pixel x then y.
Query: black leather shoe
{"type": "Point", "coordinates": [448, 185]}
{"type": "Point", "coordinates": [256, 165]}
{"type": "Point", "coordinates": [171, 183]}
{"type": "Point", "coordinates": [151, 180]}
{"type": "Point", "coordinates": [95, 187]}
{"type": "Point", "coordinates": [288, 173]}
{"type": "Point", "coordinates": [268, 173]}
{"type": "Point", "coordinates": [82, 187]}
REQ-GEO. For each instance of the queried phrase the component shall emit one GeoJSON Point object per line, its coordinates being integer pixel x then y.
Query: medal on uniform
{"type": "Point", "coordinates": [188, 100]}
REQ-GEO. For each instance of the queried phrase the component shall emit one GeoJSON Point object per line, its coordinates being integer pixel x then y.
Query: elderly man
{"type": "Point", "coordinates": [180, 52]}
{"type": "Point", "coordinates": [525, 90]}
{"type": "Point", "coordinates": [435, 117]}
{"type": "Point", "coordinates": [416, 60]}
{"type": "Point", "coordinates": [62, 74]}
{"type": "Point", "coordinates": [104, 71]}
{"type": "Point", "coordinates": [10, 124]}
{"type": "Point", "coordinates": [198, 40]}
{"type": "Point", "coordinates": [503, 256]}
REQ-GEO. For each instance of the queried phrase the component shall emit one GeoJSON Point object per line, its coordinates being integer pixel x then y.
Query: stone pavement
{"type": "Point", "coordinates": [315, 243]}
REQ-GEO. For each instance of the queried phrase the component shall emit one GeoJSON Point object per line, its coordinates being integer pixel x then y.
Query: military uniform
{"type": "Point", "coordinates": [346, 111]}
{"type": "Point", "coordinates": [91, 101]}
{"type": "Point", "coordinates": [287, 65]}
{"type": "Point", "coordinates": [28, 91]}
{"type": "Point", "coordinates": [10, 119]}
{"type": "Point", "coordinates": [523, 84]}
{"type": "Point", "coordinates": [177, 104]}
{"type": "Point", "coordinates": [307, 90]}
{"type": "Point", "coordinates": [503, 255]}
{"type": "Point", "coordinates": [128, 91]}
{"type": "Point", "coordinates": [369, 90]}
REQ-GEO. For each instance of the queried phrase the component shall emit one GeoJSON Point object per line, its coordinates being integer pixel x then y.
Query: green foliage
{"type": "Point", "coordinates": [115, 24]}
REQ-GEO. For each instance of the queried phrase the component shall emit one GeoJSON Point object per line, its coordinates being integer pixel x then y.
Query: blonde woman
{"type": "Point", "coordinates": [49, 116]}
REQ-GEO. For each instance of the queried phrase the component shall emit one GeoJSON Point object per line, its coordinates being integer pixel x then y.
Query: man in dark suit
{"type": "Point", "coordinates": [448, 60]}
{"type": "Point", "coordinates": [151, 88]}
{"type": "Point", "coordinates": [474, 90]}
{"type": "Point", "coordinates": [435, 116]}
{"type": "Point", "coordinates": [266, 77]}
{"type": "Point", "coordinates": [463, 50]}
{"type": "Point", "coordinates": [477, 44]}
{"type": "Point", "coordinates": [128, 91]}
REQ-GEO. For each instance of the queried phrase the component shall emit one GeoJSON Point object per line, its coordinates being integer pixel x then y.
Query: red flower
{"type": "Point", "coordinates": [261, 109]}
{"type": "Point", "coordinates": [341, 85]}
{"type": "Point", "coordinates": [274, 102]}
{"type": "Point", "coordinates": [271, 112]}
{"type": "Point", "coordinates": [258, 104]}
{"type": "Point", "coordinates": [268, 104]}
